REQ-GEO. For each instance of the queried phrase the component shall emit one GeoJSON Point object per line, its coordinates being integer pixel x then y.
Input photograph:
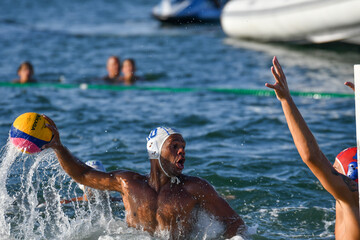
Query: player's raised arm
{"type": "Point", "coordinates": [304, 140]}
{"type": "Point", "coordinates": [78, 170]}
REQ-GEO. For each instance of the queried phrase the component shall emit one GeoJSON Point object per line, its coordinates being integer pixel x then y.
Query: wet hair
{"type": "Point", "coordinates": [28, 65]}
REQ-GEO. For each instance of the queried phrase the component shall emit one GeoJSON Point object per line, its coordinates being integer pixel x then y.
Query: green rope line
{"type": "Point", "coordinates": [236, 91]}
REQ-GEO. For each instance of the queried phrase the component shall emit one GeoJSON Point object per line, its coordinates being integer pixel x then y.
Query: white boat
{"type": "Point", "coordinates": [315, 21]}
{"type": "Point", "coordinates": [188, 11]}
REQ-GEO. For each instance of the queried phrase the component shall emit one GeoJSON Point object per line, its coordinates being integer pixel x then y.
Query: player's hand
{"type": "Point", "coordinates": [350, 85]}
{"type": "Point", "coordinates": [55, 141]}
{"type": "Point", "coordinates": [280, 86]}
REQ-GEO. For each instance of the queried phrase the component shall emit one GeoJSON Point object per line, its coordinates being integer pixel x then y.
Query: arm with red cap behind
{"type": "Point", "coordinates": [336, 184]}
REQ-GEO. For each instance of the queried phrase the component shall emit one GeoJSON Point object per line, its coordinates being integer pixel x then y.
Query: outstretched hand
{"type": "Point", "coordinates": [350, 85]}
{"type": "Point", "coordinates": [55, 141]}
{"type": "Point", "coordinates": [280, 86]}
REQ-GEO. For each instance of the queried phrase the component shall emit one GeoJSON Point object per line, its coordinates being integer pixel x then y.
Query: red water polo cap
{"type": "Point", "coordinates": [348, 161]}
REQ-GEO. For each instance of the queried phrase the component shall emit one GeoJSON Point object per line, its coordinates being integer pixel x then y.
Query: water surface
{"type": "Point", "coordinates": [239, 143]}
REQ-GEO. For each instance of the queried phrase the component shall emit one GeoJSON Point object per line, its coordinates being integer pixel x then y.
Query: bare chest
{"type": "Point", "coordinates": [175, 207]}
{"type": "Point", "coordinates": [171, 209]}
{"type": "Point", "coordinates": [347, 225]}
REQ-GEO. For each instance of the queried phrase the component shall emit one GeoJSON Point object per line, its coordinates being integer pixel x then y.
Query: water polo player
{"type": "Point", "coordinates": [163, 201]}
{"type": "Point", "coordinates": [341, 187]}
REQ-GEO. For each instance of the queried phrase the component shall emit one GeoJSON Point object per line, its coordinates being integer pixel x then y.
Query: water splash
{"type": "Point", "coordinates": [5, 199]}
{"type": "Point", "coordinates": [30, 205]}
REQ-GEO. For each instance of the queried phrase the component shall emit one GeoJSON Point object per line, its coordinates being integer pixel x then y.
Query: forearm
{"type": "Point", "coordinates": [71, 165]}
{"type": "Point", "coordinates": [86, 175]}
{"type": "Point", "coordinates": [304, 140]}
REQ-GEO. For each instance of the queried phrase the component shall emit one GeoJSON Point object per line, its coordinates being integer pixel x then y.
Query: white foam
{"type": "Point", "coordinates": [8, 156]}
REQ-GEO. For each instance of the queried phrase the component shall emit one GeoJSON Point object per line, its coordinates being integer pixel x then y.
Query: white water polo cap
{"type": "Point", "coordinates": [155, 141]}
{"type": "Point", "coordinates": [96, 165]}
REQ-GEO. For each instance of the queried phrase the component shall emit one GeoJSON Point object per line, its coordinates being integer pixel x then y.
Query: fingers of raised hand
{"type": "Point", "coordinates": [350, 85]}
{"type": "Point", "coordinates": [52, 128]}
{"type": "Point", "coordinates": [278, 68]}
{"type": "Point", "coordinates": [49, 120]}
{"type": "Point", "coordinates": [270, 85]}
{"type": "Point", "coordinates": [55, 139]}
{"type": "Point", "coordinates": [275, 74]}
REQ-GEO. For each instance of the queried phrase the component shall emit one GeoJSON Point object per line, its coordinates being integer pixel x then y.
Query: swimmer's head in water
{"type": "Point", "coordinates": [25, 72]}
{"type": "Point", "coordinates": [347, 159]}
{"type": "Point", "coordinates": [27, 66]}
{"type": "Point", "coordinates": [113, 66]}
{"type": "Point", "coordinates": [155, 141]}
{"type": "Point", "coordinates": [96, 165]}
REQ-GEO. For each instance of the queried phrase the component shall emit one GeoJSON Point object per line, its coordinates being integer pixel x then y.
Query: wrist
{"type": "Point", "coordinates": [287, 98]}
{"type": "Point", "coordinates": [58, 147]}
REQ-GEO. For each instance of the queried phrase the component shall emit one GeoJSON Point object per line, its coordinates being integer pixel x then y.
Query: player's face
{"type": "Point", "coordinates": [25, 73]}
{"type": "Point", "coordinates": [173, 154]}
{"type": "Point", "coordinates": [127, 68]}
{"type": "Point", "coordinates": [113, 66]}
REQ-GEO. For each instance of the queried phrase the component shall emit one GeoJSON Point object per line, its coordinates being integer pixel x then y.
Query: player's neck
{"type": "Point", "coordinates": [157, 178]}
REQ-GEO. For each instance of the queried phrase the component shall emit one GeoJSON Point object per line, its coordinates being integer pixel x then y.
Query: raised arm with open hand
{"type": "Point", "coordinates": [342, 188]}
{"type": "Point", "coordinates": [304, 140]}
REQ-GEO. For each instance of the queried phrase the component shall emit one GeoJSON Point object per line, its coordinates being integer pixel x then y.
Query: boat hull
{"type": "Point", "coordinates": [187, 11]}
{"type": "Point", "coordinates": [314, 21]}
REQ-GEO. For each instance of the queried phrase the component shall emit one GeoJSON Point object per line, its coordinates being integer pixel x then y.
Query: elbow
{"type": "Point", "coordinates": [307, 158]}
{"type": "Point", "coordinates": [310, 155]}
{"type": "Point", "coordinates": [81, 177]}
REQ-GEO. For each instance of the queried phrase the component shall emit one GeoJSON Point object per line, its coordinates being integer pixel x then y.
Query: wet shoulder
{"type": "Point", "coordinates": [197, 185]}
{"type": "Point", "coordinates": [130, 176]}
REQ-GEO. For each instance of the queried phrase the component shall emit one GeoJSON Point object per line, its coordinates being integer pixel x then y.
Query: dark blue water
{"type": "Point", "coordinates": [240, 144]}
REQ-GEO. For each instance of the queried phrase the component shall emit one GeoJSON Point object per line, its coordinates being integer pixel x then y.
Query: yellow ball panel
{"type": "Point", "coordinates": [33, 124]}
